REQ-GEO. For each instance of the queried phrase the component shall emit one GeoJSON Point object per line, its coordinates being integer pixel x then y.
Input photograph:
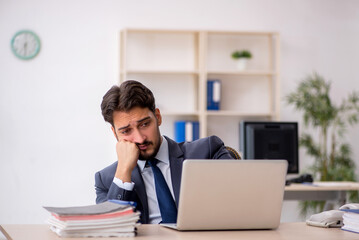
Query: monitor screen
{"type": "Point", "coordinates": [270, 140]}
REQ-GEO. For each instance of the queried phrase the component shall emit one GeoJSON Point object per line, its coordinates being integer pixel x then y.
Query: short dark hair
{"type": "Point", "coordinates": [125, 97]}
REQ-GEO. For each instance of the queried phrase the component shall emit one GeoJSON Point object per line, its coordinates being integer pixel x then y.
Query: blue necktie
{"type": "Point", "coordinates": [165, 200]}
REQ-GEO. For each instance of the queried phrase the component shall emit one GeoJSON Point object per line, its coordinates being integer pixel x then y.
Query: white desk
{"type": "Point", "coordinates": [334, 192]}
{"type": "Point", "coordinates": [286, 231]}
{"type": "Point", "coordinates": [320, 191]}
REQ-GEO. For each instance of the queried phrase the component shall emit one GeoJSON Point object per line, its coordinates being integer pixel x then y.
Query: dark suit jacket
{"type": "Point", "coordinates": [205, 148]}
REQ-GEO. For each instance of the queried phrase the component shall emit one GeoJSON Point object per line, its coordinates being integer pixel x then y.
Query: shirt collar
{"type": "Point", "coordinates": [162, 154]}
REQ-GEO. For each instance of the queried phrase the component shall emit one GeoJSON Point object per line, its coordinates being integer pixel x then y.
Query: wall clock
{"type": "Point", "coordinates": [25, 44]}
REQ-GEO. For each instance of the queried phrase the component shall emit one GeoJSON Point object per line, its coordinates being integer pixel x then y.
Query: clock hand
{"type": "Point", "coordinates": [25, 48]}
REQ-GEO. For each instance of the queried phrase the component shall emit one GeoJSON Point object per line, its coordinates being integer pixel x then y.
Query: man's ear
{"type": "Point", "coordinates": [158, 117]}
{"type": "Point", "coordinates": [114, 132]}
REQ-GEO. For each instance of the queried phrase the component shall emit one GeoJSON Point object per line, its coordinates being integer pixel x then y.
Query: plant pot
{"type": "Point", "coordinates": [241, 64]}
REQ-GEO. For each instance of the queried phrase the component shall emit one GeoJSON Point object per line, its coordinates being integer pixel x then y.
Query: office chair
{"type": "Point", "coordinates": [234, 154]}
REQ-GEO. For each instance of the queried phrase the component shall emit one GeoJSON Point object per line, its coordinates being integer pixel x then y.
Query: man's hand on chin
{"type": "Point", "coordinates": [127, 155]}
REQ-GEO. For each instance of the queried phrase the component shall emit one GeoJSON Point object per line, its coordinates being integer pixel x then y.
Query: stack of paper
{"type": "Point", "coordinates": [351, 220]}
{"type": "Point", "coordinates": [108, 219]}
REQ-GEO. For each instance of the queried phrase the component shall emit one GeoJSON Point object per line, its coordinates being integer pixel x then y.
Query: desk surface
{"type": "Point", "coordinates": [323, 186]}
{"type": "Point", "coordinates": [286, 231]}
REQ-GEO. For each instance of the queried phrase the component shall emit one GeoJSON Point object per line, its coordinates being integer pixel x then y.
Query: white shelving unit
{"type": "Point", "coordinates": [176, 65]}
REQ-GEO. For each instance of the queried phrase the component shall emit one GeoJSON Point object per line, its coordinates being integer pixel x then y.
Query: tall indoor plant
{"type": "Point", "coordinates": [326, 144]}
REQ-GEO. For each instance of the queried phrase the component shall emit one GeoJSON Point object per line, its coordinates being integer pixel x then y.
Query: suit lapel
{"type": "Point", "coordinates": [140, 188]}
{"type": "Point", "coordinates": [176, 161]}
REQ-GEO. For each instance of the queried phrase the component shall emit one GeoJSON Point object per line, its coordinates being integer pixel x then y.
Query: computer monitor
{"type": "Point", "coordinates": [270, 140]}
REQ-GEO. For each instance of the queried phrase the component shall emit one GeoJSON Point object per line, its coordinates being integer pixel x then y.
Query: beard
{"type": "Point", "coordinates": [156, 147]}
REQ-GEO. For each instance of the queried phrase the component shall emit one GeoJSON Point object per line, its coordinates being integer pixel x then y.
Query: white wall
{"type": "Point", "coordinates": [52, 135]}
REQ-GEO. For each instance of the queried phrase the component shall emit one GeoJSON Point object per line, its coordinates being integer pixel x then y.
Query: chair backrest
{"type": "Point", "coordinates": [233, 153]}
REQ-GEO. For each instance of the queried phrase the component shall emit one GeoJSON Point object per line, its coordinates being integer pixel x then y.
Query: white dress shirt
{"type": "Point", "coordinates": [147, 175]}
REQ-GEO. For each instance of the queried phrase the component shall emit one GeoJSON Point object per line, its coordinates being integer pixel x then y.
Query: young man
{"type": "Point", "coordinates": [149, 166]}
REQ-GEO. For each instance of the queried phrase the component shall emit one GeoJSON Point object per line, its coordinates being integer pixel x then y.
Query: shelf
{"type": "Point", "coordinates": [236, 33]}
{"type": "Point", "coordinates": [160, 31]}
{"type": "Point", "coordinates": [176, 64]}
{"type": "Point", "coordinates": [166, 113]}
{"type": "Point", "coordinates": [237, 114]}
{"type": "Point", "coordinates": [243, 73]}
{"type": "Point", "coordinates": [143, 71]}
{"type": "Point", "coordinates": [146, 51]}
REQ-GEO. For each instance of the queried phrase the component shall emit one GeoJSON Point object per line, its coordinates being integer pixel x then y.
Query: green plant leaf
{"type": "Point", "coordinates": [241, 54]}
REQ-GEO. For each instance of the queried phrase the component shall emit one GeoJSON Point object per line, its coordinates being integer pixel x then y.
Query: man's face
{"type": "Point", "coordinates": [140, 126]}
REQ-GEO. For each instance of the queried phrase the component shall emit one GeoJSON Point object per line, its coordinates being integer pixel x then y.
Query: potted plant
{"type": "Point", "coordinates": [326, 144]}
{"type": "Point", "coordinates": [241, 58]}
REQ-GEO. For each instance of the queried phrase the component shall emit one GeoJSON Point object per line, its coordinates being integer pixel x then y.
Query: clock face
{"type": "Point", "coordinates": [25, 44]}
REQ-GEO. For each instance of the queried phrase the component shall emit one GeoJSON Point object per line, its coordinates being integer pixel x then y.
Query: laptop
{"type": "Point", "coordinates": [230, 194]}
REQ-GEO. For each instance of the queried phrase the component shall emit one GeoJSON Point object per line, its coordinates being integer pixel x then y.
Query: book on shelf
{"type": "Point", "coordinates": [351, 220]}
{"type": "Point", "coordinates": [108, 219]}
{"type": "Point", "coordinates": [186, 131]}
{"type": "Point", "coordinates": [214, 94]}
